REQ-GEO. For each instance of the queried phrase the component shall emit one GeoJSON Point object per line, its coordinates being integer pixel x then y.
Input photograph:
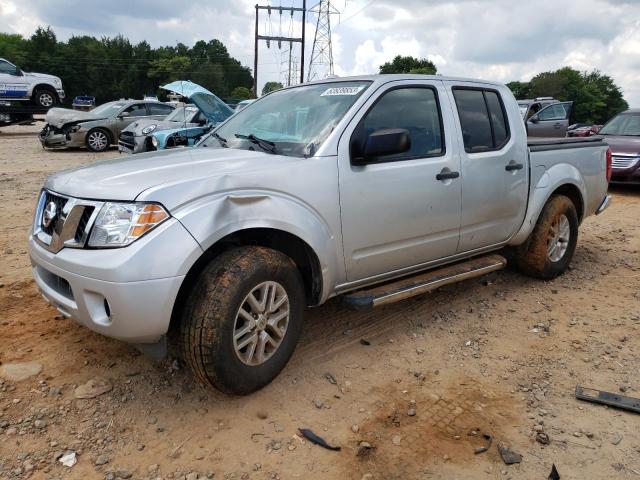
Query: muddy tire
{"type": "Point", "coordinates": [97, 140]}
{"type": "Point", "coordinates": [550, 248]}
{"type": "Point", "coordinates": [242, 320]}
{"type": "Point", "coordinates": [45, 97]}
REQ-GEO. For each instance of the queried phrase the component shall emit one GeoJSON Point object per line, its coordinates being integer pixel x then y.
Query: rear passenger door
{"type": "Point", "coordinates": [493, 165]}
{"type": "Point", "coordinates": [551, 121]}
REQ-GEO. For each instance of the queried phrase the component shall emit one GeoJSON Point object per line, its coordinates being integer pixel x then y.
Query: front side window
{"type": "Point", "coordinates": [137, 110]}
{"type": "Point", "coordinates": [6, 67]}
{"type": "Point", "coordinates": [553, 112]}
{"type": "Point", "coordinates": [482, 119]}
{"type": "Point", "coordinates": [414, 109]}
{"type": "Point", "coordinates": [293, 121]}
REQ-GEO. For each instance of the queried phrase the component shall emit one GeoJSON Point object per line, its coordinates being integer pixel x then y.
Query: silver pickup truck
{"type": "Point", "coordinates": [375, 188]}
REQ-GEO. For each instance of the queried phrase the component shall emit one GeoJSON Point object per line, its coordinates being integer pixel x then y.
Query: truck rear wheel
{"type": "Point", "coordinates": [242, 320]}
{"type": "Point", "coordinates": [550, 248]}
{"type": "Point", "coordinates": [44, 97]}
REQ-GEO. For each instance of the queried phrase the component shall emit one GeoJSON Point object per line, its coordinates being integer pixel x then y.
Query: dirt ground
{"type": "Point", "coordinates": [499, 355]}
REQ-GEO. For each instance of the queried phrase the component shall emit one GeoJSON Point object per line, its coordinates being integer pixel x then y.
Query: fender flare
{"type": "Point", "coordinates": [554, 178]}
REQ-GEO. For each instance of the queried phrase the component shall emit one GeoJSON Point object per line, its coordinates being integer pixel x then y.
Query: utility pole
{"type": "Point", "coordinates": [321, 65]}
{"type": "Point", "coordinates": [279, 39]}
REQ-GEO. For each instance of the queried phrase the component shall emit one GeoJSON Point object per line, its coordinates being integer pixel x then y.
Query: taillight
{"type": "Point", "coordinates": [609, 164]}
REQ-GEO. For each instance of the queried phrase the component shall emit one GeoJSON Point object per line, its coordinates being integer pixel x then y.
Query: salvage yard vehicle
{"type": "Point", "coordinates": [212, 107]}
{"type": "Point", "coordinates": [99, 128]}
{"type": "Point", "coordinates": [137, 137]}
{"type": "Point", "coordinates": [38, 88]}
{"type": "Point", "coordinates": [376, 188]}
{"type": "Point", "coordinates": [622, 133]}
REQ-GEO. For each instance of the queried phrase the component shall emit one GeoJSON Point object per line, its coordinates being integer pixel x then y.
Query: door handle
{"type": "Point", "coordinates": [447, 175]}
{"type": "Point", "coordinates": [513, 166]}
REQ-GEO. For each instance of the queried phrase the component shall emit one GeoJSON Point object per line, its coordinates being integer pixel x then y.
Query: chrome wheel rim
{"type": "Point", "coordinates": [97, 140]}
{"type": "Point", "coordinates": [46, 100]}
{"type": "Point", "coordinates": [559, 237]}
{"type": "Point", "coordinates": [261, 323]}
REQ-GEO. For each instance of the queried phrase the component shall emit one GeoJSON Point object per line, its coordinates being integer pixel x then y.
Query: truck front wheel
{"type": "Point", "coordinates": [549, 250]}
{"type": "Point", "coordinates": [242, 320]}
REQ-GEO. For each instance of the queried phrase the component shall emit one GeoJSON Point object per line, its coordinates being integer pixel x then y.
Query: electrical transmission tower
{"type": "Point", "coordinates": [321, 65]}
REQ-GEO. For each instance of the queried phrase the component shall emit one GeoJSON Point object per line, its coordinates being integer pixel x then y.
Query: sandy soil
{"type": "Point", "coordinates": [500, 355]}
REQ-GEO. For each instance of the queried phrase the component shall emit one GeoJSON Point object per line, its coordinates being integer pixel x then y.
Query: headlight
{"type": "Point", "coordinates": [119, 224]}
{"type": "Point", "coordinates": [148, 129]}
{"type": "Point", "coordinates": [154, 142]}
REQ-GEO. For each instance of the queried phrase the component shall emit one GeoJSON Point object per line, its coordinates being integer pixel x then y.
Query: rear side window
{"type": "Point", "coordinates": [482, 119]}
{"type": "Point", "coordinates": [553, 112]}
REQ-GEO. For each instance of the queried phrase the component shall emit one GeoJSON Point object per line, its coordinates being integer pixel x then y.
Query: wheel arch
{"type": "Point", "coordinates": [108, 132]}
{"type": "Point", "coordinates": [45, 86]}
{"type": "Point", "coordinates": [302, 254]}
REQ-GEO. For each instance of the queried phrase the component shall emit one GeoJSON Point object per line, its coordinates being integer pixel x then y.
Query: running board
{"type": "Point", "coordinates": [424, 282]}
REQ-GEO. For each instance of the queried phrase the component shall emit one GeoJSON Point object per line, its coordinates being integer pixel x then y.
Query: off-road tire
{"type": "Point", "coordinates": [102, 147]}
{"type": "Point", "coordinates": [205, 338]}
{"type": "Point", "coordinates": [532, 258]}
{"type": "Point", "coordinates": [45, 97]}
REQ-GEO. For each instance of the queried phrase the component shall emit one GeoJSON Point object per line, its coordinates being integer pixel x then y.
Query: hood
{"type": "Point", "coordinates": [625, 145]}
{"type": "Point", "coordinates": [41, 75]}
{"type": "Point", "coordinates": [137, 127]}
{"type": "Point", "coordinates": [62, 116]}
{"type": "Point", "coordinates": [175, 176]}
{"type": "Point", "coordinates": [211, 106]}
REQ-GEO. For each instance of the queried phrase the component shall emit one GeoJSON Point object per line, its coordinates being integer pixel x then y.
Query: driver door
{"type": "Point", "coordinates": [13, 84]}
{"type": "Point", "coordinates": [550, 121]}
{"type": "Point", "coordinates": [399, 211]}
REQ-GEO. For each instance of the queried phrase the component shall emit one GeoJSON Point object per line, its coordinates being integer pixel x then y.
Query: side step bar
{"type": "Point", "coordinates": [424, 282]}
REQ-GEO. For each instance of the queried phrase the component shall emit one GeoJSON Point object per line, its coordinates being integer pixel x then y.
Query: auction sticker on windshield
{"type": "Point", "coordinates": [341, 91]}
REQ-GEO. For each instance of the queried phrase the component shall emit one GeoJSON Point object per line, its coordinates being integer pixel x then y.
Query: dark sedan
{"type": "Point", "coordinates": [622, 133]}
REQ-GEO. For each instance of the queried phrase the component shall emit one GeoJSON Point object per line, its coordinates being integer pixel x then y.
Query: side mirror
{"type": "Point", "coordinates": [388, 141]}
{"type": "Point", "coordinates": [124, 115]}
{"type": "Point", "coordinates": [19, 72]}
{"type": "Point", "coordinates": [534, 119]}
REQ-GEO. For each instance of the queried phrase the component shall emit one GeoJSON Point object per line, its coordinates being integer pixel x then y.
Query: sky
{"type": "Point", "coordinates": [500, 40]}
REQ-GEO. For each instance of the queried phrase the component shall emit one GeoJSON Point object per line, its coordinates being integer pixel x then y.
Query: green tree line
{"type": "Point", "coordinates": [596, 98]}
{"type": "Point", "coordinates": [112, 68]}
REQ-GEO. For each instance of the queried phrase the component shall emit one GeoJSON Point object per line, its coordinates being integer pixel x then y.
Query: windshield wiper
{"type": "Point", "coordinates": [222, 140]}
{"type": "Point", "coordinates": [266, 145]}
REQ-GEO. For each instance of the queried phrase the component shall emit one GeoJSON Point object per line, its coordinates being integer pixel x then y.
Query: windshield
{"type": "Point", "coordinates": [183, 114]}
{"type": "Point", "coordinates": [626, 124]}
{"type": "Point", "coordinates": [107, 108]}
{"type": "Point", "coordinates": [294, 121]}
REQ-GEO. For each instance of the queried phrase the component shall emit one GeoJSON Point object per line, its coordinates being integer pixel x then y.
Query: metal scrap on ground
{"type": "Point", "coordinates": [313, 438]}
{"type": "Point", "coordinates": [608, 398]}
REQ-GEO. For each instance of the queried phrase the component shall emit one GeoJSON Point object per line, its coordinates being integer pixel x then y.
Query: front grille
{"type": "Point", "coordinates": [127, 139]}
{"type": "Point", "coordinates": [622, 162]}
{"type": "Point", "coordinates": [62, 221]}
{"type": "Point", "coordinates": [59, 202]}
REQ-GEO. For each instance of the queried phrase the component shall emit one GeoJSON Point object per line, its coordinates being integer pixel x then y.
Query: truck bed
{"type": "Point", "coordinates": [544, 144]}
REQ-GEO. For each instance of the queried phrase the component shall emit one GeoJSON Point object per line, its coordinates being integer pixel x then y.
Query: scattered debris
{"type": "Point", "coordinates": [489, 439]}
{"type": "Point", "coordinates": [93, 388]}
{"type": "Point", "coordinates": [330, 378]}
{"type": "Point", "coordinates": [364, 342]}
{"type": "Point", "coordinates": [364, 449]}
{"type": "Point", "coordinates": [554, 475]}
{"type": "Point", "coordinates": [509, 457]}
{"type": "Point", "coordinates": [16, 372]}
{"type": "Point", "coordinates": [616, 438]}
{"type": "Point", "coordinates": [608, 398]}
{"type": "Point", "coordinates": [543, 438]}
{"type": "Point", "coordinates": [313, 438]}
{"type": "Point", "coordinates": [68, 459]}
{"type": "Point", "coordinates": [396, 440]}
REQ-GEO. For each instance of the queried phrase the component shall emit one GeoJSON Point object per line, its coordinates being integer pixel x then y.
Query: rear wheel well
{"type": "Point", "coordinates": [295, 248]}
{"type": "Point", "coordinates": [573, 193]}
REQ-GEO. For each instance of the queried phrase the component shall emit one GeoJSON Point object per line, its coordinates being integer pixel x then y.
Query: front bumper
{"type": "Point", "coordinates": [60, 93]}
{"type": "Point", "coordinates": [606, 201]}
{"type": "Point", "coordinates": [54, 138]}
{"type": "Point", "coordinates": [133, 144]}
{"type": "Point", "coordinates": [125, 293]}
